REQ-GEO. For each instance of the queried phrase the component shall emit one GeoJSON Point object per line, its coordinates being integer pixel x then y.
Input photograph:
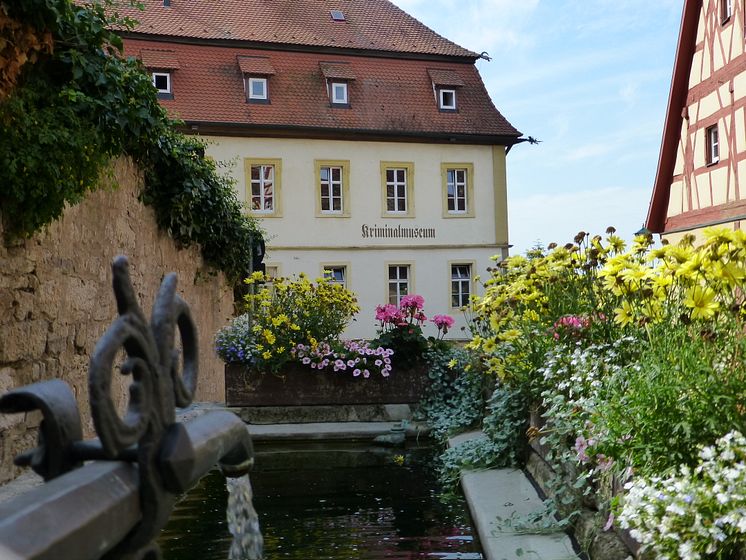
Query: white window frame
{"type": "Point", "coordinates": [257, 80]}
{"type": "Point", "coordinates": [461, 275]}
{"type": "Point", "coordinates": [452, 190]}
{"type": "Point", "coordinates": [167, 75]}
{"type": "Point", "coordinates": [712, 135]}
{"type": "Point", "coordinates": [336, 273]}
{"type": "Point", "coordinates": [398, 286]}
{"type": "Point", "coordinates": [399, 194]}
{"type": "Point", "coordinates": [442, 92]}
{"type": "Point", "coordinates": [726, 11]}
{"type": "Point", "coordinates": [330, 183]}
{"type": "Point", "coordinates": [344, 99]}
{"type": "Point", "coordinates": [262, 183]}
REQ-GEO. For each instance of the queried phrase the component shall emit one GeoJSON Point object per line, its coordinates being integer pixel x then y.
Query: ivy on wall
{"type": "Point", "coordinates": [72, 103]}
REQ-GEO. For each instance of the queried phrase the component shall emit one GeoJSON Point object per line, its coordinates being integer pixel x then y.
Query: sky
{"type": "Point", "coordinates": [588, 78]}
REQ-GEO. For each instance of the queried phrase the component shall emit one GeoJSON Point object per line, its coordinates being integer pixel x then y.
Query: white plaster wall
{"type": "Point", "coordinates": [300, 241]}
{"type": "Point", "coordinates": [367, 278]}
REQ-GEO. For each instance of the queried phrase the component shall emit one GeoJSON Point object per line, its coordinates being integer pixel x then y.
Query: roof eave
{"type": "Point", "coordinates": [471, 58]}
{"type": "Point", "coordinates": [293, 131]}
{"type": "Point", "coordinates": [656, 217]}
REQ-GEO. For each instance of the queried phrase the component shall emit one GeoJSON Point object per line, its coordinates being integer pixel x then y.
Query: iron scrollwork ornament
{"type": "Point", "coordinates": [162, 379]}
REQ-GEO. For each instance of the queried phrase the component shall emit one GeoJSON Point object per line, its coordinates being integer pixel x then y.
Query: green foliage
{"type": "Point", "coordinates": [685, 391]}
{"type": "Point", "coordinates": [77, 108]}
{"type": "Point", "coordinates": [504, 445]}
{"type": "Point", "coordinates": [453, 398]}
{"type": "Point", "coordinates": [407, 342]}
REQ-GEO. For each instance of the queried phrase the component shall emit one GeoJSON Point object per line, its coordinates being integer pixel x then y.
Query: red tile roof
{"type": "Point", "coordinates": [256, 65]}
{"type": "Point", "coordinates": [376, 25]}
{"type": "Point", "coordinates": [442, 77]}
{"type": "Point", "coordinates": [339, 71]}
{"type": "Point", "coordinates": [391, 96]}
{"type": "Point", "coordinates": [159, 59]}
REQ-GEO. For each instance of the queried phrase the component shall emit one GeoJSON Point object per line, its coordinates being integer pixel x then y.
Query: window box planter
{"type": "Point", "coordinates": [299, 385]}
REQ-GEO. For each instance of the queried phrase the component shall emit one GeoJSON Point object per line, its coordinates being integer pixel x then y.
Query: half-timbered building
{"type": "Point", "coordinates": [701, 174]}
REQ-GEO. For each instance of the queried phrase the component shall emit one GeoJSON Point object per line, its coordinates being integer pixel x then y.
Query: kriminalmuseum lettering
{"type": "Point", "coordinates": [397, 232]}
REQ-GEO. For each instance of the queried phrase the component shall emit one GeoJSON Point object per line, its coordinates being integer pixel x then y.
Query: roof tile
{"type": "Point", "coordinates": [340, 71]}
{"type": "Point", "coordinates": [369, 24]}
{"type": "Point", "coordinates": [159, 59]}
{"type": "Point", "coordinates": [256, 65]}
{"type": "Point", "coordinates": [391, 95]}
{"type": "Point", "coordinates": [442, 77]}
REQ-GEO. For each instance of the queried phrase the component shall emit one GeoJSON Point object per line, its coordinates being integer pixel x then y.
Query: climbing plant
{"type": "Point", "coordinates": [72, 103]}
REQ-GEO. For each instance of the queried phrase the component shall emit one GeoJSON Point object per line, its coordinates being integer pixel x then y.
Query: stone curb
{"type": "Point", "coordinates": [505, 493]}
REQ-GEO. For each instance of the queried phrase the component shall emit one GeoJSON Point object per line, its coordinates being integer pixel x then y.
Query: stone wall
{"type": "Point", "coordinates": [56, 300]}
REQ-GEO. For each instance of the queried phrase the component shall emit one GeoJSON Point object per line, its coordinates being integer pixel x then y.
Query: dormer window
{"type": "Point", "coordinates": [338, 77]}
{"type": "Point", "coordinates": [257, 89]}
{"type": "Point", "coordinates": [446, 83]}
{"type": "Point", "coordinates": [447, 99]}
{"type": "Point", "coordinates": [257, 72]}
{"type": "Point", "coordinates": [161, 64]}
{"type": "Point", "coordinates": [162, 82]}
{"type": "Point", "coordinates": [339, 93]}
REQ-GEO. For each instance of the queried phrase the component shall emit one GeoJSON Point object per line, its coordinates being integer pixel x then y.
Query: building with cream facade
{"type": "Point", "coordinates": [366, 143]}
{"type": "Point", "coordinates": [702, 162]}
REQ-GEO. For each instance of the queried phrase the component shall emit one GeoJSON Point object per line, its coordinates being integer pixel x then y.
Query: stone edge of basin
{"type": "Point", "coordinates": [503, 492]}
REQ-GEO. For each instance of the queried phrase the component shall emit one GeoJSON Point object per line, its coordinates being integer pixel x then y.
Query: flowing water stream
{"type": "Point", "coordinates": [323, 501]}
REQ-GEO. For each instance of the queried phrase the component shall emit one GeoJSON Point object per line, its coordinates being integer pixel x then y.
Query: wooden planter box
{"type": "Point", "coordinates": [299, 385]}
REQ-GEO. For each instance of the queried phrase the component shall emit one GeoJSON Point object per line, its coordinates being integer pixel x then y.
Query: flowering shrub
{"type": "Point", "coordinates": [282, 315]}
{"type": "Point", "coordinates": [351, 355]}
{"type": "Point", "coordinates": [634, 357]}
{"type": "Point", "coordinates": [400, 328]}
{"type": "Point", "coordinates": [444, 323]}
{"type": "Point", "coordinates": [695, 513]}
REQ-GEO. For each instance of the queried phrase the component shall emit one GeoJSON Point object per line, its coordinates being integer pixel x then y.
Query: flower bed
{"type": "Point", "coordinates": [299, 385]}
{"type": "Point", "coordinates": [634, 362]}
{"type": "Point", "coordinates": [286, 350]}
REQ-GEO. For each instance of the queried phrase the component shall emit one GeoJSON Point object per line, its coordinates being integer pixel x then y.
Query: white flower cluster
{"type": "Point", "coordinates": [696, 512]}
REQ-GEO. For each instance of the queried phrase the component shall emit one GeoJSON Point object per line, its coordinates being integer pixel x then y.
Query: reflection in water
{"type": "Point", "coordinates": [330, 502]}
{"type": "Point", "coordinates": [243, 522]}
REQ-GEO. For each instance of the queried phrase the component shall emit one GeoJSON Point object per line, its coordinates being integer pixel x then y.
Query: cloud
{"type": "Point", "coordinates": [547, 218]}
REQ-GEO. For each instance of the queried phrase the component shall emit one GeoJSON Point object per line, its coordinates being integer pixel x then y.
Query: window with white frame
{"type": "Point", "coordinates": [457, 190]}
{"type": "Point", "coordinates": [726, 10]}
{"type": "Point", "coordinates": [396, 190]}
{"type": "Point", "coordinates": [398, 282]}
{"type": "Point", "coordinates": [162, 82]}
{"type": "Point", "coordinates": [338, 93]}
{"type": "Point", "coordinates": [713, 144]}
{"type": "Point", "coordinates": [336, 274]}
{"type": "Point", "coordinates": [262, 188]}
{"type": "Point", "coordinates": [257, 89]}
{"type": "Point", "coordinates": [460, 284]}
{"type": "Point", "coordinates": [330, 183]}
{"type": "Point", "coordinates": [447, 99]}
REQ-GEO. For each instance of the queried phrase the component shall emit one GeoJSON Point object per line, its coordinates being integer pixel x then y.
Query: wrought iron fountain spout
{"type": "Point", "coordinates": [117, 503]}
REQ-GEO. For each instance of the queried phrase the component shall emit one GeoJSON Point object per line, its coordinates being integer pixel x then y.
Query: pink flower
{"type": "Point", "coordinates": [412, 302]}
{"type": "Point", "coordinates": [443, 321]}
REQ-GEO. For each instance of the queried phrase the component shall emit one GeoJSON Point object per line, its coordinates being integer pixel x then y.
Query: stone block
{"type": "Point", "coordinates": [23, 341]}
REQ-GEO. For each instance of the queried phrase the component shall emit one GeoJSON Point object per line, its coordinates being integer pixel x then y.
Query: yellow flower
{"type": "Point", "coordinates": [268, 336]}
{"type": "Point", "coordinates": [399, 459]}
{"type": "Point", "coordinates": [624, 315]}
{"type": "Point", "coordinates": [267, 355]}
{"type": "Point", "coordinates": [509, 335]}
{"type": "Point", "coordinates": [702, 301]}
{"type": "Point", "coordinates": [452, 364]}
{"type": "Point", "coordinates": [489, 345]}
